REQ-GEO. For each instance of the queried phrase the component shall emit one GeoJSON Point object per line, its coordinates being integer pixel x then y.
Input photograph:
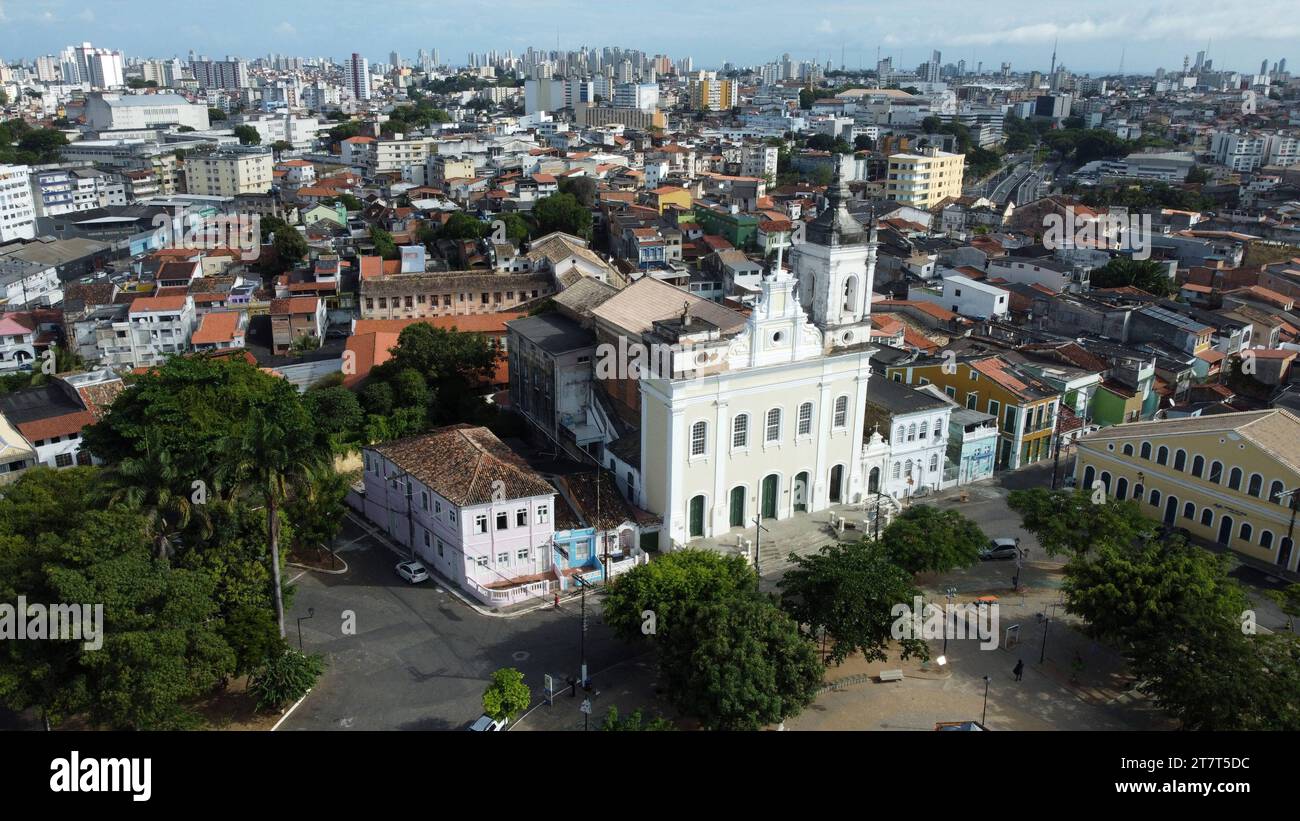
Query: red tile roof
{"type": "Point", "coordinates": [216, 327]}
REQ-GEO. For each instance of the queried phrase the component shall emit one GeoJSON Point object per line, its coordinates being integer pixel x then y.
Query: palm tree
{"type": "Point", "coordinates": [152, 484]}
{"type": "Point", "coordinates": [274, 458]}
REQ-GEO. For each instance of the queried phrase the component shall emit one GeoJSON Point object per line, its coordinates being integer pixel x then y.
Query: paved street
{"type": "Point", "coordinates": [420, 657]}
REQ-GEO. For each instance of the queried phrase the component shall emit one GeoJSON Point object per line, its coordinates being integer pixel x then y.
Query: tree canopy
{"type": "Point", "coordinates": [160, 645]}
{"type": "Point", "coordinates": [506, 696]}
{"type": "Point", "coordinates": [1147, 274]}
{"type": "Point", "coordinates": [849, 591]}
{"type": "Point", "coordinates": [925, 539]}
{"type": "Point", "coordinates": [248, 135]}
{"type": "Point", "coordinates": [1070, 522]}
{"type": "Point", "coordinates": [562, 212]}
{"type": "Point", "coordinates": [669, 586]}
{"type": "Point", "coordinates": [739, 664]}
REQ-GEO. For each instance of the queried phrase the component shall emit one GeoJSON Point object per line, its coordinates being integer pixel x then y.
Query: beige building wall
{"type": "Point", "coordinates": [924, 180]}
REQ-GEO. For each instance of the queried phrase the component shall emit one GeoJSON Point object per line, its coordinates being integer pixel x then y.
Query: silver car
{"type": "Point", "coordinates": [412, 571]}
{"type": "Point", "coordinates": [1001, 549]}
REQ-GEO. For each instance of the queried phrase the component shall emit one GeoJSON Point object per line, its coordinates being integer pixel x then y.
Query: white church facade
{"type": "Point", "coordinates": [768, 417]}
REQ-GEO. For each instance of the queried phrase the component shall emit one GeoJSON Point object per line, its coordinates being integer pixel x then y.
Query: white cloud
{"type": "Point", "coordinates": [87, 16]}
{"type": "Point", "coordinates": [286, 28]}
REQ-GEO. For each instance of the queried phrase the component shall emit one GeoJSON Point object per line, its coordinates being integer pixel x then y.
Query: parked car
{"type": "Point", "coordinates": [413, 572]}
{"type": "Point", "coordinates": [488, 724]}
{"type": "Point", "coordinates": [1001, 549]}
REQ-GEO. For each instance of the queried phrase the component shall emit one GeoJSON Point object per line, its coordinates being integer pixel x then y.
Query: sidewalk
{"type": "Point", "coordinates": [509, 612]}
{"type": "Point", "coordinates": [629, 686]}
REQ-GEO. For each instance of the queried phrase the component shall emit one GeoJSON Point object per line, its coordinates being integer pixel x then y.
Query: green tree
{"type": "Point", "coordinates": [1288, 598]}
{"type": "Point", "coordinates": [216, 115]}
{"type": "Point", "coordinates": [377, 397]}
{"type": "Point", "coordinates": [247, 135]}
{"type": "Point", "coordinates": [848, 592]}
{"type": "Point", "coordinates": [517, 227]}
{"type": "Point", "coordinates": [160, 646]}
{"type": "Point", "coordinates": [738, 664]}
{"type": "Point", "coordinates": [274, 457]}
{"type": "Point", "coordinates": [506, 696]}
{"type": "Point", "coordinates": [42, 145]}
{"type": "Point", "coordinates": [316, 517]}
{"type": "Point", "coordinates": [384, 245]}
{"type": "Point", "coordinates": [562, 212]}
{"type": "Point", "coordinates": [462, 226]}
{"type": "Point", "coordinates": [337, 412]}
{"type": "Point", "coordinates": [582, 188]}
{"type": "Point", "coordinates": [925, 539]}
{"type": "Point", "coordinates": [1132, 592]}
{"type": "Point", "coordinates": [151, 484]}
{"type": "Point", "coordinates": [1070, 522]}
{"type": "Point", "coordinates": [1148, 274]}
{"type": "Point", "coordinates": [670, 585]}
{"type": "Point", "coordinates": [634, 722]}
{"type": "Point", "coordinates": [288, 243]}
{"type": "Point", "coordinates": [1222, 680]}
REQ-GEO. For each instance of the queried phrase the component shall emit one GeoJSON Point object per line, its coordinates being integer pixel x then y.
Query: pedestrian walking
{"type": "Point", "coordinates": [1019, 669]}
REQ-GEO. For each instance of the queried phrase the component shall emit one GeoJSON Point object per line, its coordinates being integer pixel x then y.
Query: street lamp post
{"type": "Point", "coordinates": [985, 715]}
{"type": "Point", "coordinates": [1047, 623]}
{"type": "Point", "coordinates": [950, 593]}
{"type": "Point", "coordinates": [311, 611]}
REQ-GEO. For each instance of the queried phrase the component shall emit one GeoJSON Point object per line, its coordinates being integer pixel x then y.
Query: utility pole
{"type": "Point", "coordinates": [582, 636]}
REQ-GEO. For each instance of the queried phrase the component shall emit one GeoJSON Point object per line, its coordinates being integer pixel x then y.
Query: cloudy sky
{"type": "Point", "coordinates": [1092, 35]}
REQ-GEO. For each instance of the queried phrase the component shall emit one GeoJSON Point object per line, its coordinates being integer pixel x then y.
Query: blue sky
{"type": "Point", "coordinates": [1091, 35]}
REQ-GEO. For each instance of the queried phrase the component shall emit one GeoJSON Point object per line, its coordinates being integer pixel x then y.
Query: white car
{"type": "Point", "coordinates": [1001, 549]}
{"type": "Point", "coordinates": [488, 724]}
{"type": "Point", "coordinates": [413, 572]}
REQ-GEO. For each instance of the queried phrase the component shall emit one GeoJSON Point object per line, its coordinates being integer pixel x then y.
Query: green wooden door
{"type": "Point", "coordinates": [769, 496]}
{"type": "Point", "coordinates": [697, 517]}
{"type": "Point", "coordinates": [737, 507]}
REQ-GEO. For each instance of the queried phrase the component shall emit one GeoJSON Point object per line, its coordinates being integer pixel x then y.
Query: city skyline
{"type": "Point", "coordinates": [1096, 41]}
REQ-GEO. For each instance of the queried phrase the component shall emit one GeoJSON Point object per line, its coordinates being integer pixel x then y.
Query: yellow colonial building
{"type": "Point", "coordinates": [1025, 407]}
{"type": "Point", "coordinates": [1225, 478]}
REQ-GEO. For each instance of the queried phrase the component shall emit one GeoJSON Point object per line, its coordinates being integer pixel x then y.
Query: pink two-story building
{"type": "Point", "coordinates": [468, 507]}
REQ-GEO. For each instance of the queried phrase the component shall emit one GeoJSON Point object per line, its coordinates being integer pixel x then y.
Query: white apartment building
{"type": "Point", "coordinates": [100, 67]}
{"type": "Point", "coordinates": [58, 191]}
{"type": "Point", "coordinates": [356, 77]}
{"type": "Point", "coordinates": [17, 209]}
{"type": "Point", "coordinates": [230, 75]}
{"type": "Point", "coordinates": [28, 284]}
{"type": "Point", "coordinates": [152, 329]}
{"type": "Point", "coordinates": [229, 172]}
{"type": "Point", "coordinates": [1245, 151]}
{"type": "Point", "coordinates": [371, 155]}
{"type": "Point", "coordinates": [1058, 276]}
{"type": "Point", "coordinates": [300, 132]}
{"type": "Point", "coordinates": [1239, 151]}
{"type": "Point", "coordinates": [916, 425]}
{"type": "Point", "coordinates": [966, 296]}
{"type": "Point", "coordinates": [644, 96]}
